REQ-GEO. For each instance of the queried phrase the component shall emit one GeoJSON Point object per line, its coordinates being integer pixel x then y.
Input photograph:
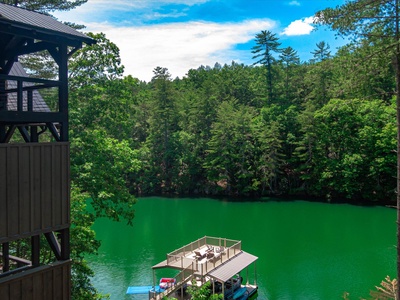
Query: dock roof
{"type": "Point", "coordinates": [232, 266]}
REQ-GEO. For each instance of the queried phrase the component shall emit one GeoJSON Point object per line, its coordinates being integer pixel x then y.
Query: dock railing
{"type": "Point", "coordinates": [180, 279]}
{"type": "Point", "coordinates": [181, 258]}
{"type": "Point", "coordinates": [232, 247]}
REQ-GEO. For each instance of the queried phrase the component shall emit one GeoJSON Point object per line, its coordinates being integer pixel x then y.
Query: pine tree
{"type": "Point", "coordinates": [267, 43]}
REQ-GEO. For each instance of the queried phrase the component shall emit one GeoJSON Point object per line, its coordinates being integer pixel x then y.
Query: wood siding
{"type": "Point", "coordinates": [48, 282]}
{"type": "Point", "coordinates": [34, 189]}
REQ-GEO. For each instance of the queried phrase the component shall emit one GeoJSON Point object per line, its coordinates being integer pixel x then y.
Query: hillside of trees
{"type": "Point", "coordinates": [323, 128]}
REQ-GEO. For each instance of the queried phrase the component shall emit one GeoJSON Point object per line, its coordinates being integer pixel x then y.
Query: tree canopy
{"type": "Point", "coordinates": [46, 6]}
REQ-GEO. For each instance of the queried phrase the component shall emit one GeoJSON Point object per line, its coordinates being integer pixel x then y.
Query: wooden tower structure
{"type": "Point", "coordinates": [34, 174]}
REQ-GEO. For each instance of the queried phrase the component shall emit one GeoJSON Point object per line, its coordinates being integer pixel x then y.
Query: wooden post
{"type": "Point", "coordinates": [63, 90]}
{"type": "Point", "coordinates": [65, 247]}
{"type": "Point", "coordinates": [30, 101]}
{"type": "Point", "coordinates": [34, 134]}
{"type": "Point", "coordinates": [3, 107]}
{"type": "Point", "coordinates": [19, 96]}
{"type": "Point", "coordinates": [6, 257]}
{"type": "Point", "coordinates": [35, 248]}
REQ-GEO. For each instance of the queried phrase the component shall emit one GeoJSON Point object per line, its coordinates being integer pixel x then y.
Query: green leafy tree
{"type": "Point", "coordinates": [204, 292]}
{"type": "Point", "coordinates": [83, 242]}
{"type": "Point", "coordinates": [379, 21]}
{"type": "Point", "coordinates": [94, 64]}
{"type": "Point", "coordinates": [100, 106]}
{"type": "Point", "coordinates": [352, 156]}
{"type": "Point", "coordinates": [266, 44]}
{"type": "Point", "coordinates": [100, 166]}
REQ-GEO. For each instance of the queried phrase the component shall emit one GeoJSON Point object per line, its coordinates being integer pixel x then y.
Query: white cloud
{"type": "Point", "coordinates": [294, 3]}
{"type": "Point", "coordinates": [299, 27]}
{"type": "Point", "coordinates": [136, 10]}
{"type": "Point", "coordinates": [178, 46]}
{"type": "Point", "coordinates": [128, 5]}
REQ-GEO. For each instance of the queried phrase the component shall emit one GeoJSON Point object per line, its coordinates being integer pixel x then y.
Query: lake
{"type": "Point", "coordinates": [306, 250]}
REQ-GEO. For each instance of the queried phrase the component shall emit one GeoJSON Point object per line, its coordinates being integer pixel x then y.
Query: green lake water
{"type": "Point", "coordinates": [306, 250]}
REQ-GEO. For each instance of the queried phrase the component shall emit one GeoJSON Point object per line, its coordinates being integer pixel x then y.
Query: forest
{"type": "Point", "coordinates": [319, 129]}
{"type": "Point", "coordinates": [323, 128]}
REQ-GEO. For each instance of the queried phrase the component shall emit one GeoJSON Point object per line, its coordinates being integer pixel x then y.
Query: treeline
{"type": "Point", "coordinates": [323, 128]}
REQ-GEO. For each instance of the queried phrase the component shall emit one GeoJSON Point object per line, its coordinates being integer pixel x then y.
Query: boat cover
{"type": "Point", "coordinates": [233, 266]}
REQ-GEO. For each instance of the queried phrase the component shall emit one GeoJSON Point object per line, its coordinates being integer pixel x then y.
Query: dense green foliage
{"type": "Point", "coordinates": [329, 129]}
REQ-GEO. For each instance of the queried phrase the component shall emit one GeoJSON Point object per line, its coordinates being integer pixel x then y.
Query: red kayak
{"type": "Point", "coordinates": [167, 282]}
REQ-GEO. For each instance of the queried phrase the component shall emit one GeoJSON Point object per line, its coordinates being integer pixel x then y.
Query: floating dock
{"type": "Point", "coordinates": [208, 259]}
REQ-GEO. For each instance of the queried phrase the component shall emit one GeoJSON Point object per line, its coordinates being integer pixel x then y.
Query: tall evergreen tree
{"type": "Point", "coordinates": [289, 59]}
{"type": "Point", "coordinates": [320, 74]}
{"type": "Point", "coordinates": [163, 140]}
{"type": "Point", "coordinates": [266, 44]}
{"type": "Point", "coordinates": [322, 52]}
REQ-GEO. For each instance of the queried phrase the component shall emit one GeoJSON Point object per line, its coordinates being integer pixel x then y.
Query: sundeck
{"type": "Point", "coordinates": [208, 259]}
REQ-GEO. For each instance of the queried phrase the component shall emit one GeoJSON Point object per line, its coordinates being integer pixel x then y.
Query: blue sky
{"type": "Point", "coordinates": [185, 34]}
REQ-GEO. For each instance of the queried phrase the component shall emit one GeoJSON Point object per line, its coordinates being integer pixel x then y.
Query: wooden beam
{"type": "Point", "coordinates": [55, 54]}
{"type": "Point", "coordinates": [21, 261]}
{"type": "Point", "coordinates": [54, 131]}
{"type": "Point", "coordinates": [63, 90]}
{"type": "Point", "coordinates": [50, 83]}
{"type": "Point", "coordinates": [54, 245]}
{"type": "Point", "coordinates": [29, 117]}
{"type": "Point", "coordinates": [29, 88]}
{"type": "Point", "coordinates": [65, 245]}
{"type": "Point", "coordinates": [24, 133]}
{"type": "Point", "coordinates": [8, 134]}
{"type": "Point", "coordinates": [9, 65]}
{"type": "Point", "coordinates": [27, 49]}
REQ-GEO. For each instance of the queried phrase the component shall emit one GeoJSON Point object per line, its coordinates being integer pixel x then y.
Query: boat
{"type": "Point", "coordinates": [232, 286]}
{"type": "Point", "coordinates": [240, 294]}
{"type": "Point", "coordinates": [167, 283]}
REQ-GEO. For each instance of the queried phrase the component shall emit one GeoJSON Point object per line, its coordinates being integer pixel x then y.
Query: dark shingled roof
{"type": "Point", "coordinates": [39, 105]}
{"type": "Point", "coordinates": [21, 16]}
